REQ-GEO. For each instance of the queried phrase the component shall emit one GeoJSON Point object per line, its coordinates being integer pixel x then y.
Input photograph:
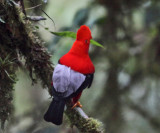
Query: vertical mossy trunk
{"type": "Point", "coordinates": [18, 40]}
{"type": "Point", "coordinates": [7, 76]}
{"type": "Point", "coordinates": [8, 65]}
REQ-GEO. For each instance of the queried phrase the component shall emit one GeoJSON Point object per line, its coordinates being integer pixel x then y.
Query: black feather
{"type": "Point", "coordinates": [55, 111]}
{"type": "Point", "coordinates": [89, 79]}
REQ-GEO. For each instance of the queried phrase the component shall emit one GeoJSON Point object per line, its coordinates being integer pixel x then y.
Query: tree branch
{"type": "Point", "coordinates": [33, 7]}
{"type": "Point", "coordinates": [84, 123]}
{"type": "Point", "coordinates": [35, 18]}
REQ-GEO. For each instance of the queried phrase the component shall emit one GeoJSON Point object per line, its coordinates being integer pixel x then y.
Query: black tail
{"type": "Point", "coordinates": [55, 111]}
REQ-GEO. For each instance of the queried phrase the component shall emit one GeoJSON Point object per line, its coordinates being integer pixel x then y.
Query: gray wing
{"type": "Point", "coordinates": [66, 81]}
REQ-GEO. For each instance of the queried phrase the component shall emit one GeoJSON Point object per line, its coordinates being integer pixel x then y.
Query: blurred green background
{"type": "Point", "coordinates": [125, 92]}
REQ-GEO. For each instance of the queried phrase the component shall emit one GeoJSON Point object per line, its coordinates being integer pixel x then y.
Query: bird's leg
{"type": "Point", "coordinates": [76, 102]}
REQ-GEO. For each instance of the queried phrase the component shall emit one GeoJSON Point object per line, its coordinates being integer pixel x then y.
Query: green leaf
{"type": "Point", "coordinates": [73, 35]}
{"type": "Point", "coordinates": [37, 27]}
{"type": "Point", "coordinates": [46, 28]}
{"type": "Point", "coordinates": [96, 43]}
{"type": "Point", "coordinates": [9, 76]}
{"type": "Point", "coordinates": [65, 34]}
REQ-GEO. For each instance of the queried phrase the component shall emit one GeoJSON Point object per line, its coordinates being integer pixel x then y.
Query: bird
{"type": "Point", "coordinates": [73, 73]}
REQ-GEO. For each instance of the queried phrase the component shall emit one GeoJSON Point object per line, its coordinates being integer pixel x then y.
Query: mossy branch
{"type": "Point", "coordinates": [84, 124]}
{"type": "Point", "coordinates": [25, 43]}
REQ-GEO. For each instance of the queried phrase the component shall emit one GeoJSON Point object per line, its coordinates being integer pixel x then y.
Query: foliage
{"type": "Point", "coordinates": [73, 35]}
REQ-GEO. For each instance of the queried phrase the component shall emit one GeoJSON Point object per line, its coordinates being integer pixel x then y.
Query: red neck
{"type": "Point", "coordinates": [79, 48]}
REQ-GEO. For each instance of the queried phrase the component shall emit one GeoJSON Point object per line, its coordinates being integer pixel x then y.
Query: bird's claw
{"type": "Point", "coordinates": [77, 104]}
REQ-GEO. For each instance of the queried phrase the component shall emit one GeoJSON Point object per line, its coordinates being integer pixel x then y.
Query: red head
{"type": "Point", "coordinates": [81, 45]}
{"type": "Point", "coordinates": [84, 33]}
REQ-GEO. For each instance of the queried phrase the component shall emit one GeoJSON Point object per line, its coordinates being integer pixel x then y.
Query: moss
{"type": "Point", "coordinates": [7, 80]}
{"type": "Point", "coordinates": [84, 125]}
{"type": "Point", "coordinates": [17, 39]}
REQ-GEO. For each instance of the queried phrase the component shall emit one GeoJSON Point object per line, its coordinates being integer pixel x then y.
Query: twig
{"type": "Point", "coordinates": [48, 17]}
{"type": "Point", "coordinates": [36, 18]}
{"type": "Point", "coordinates": [33, 7]}
{"type": "Point", "coordinates": [45, 14]}
{"type": "Point", "coordinates": [23, 8]}
{"type": "Point", "coordinates": [81, 112]}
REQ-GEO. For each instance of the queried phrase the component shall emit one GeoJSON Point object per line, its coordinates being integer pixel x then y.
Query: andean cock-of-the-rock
{"type": "Point", "coordinates": [73, 73]}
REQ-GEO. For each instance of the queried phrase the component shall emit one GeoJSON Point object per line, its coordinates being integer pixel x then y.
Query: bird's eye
{"type": "Point", "coordinates": [86, 41]}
